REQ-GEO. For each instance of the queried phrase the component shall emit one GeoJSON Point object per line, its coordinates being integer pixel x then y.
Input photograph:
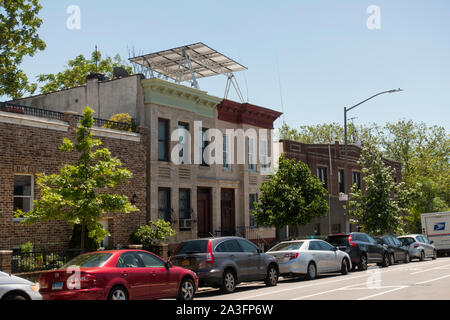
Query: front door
{"type": "Point", "coordinates": [204, 215]}
{"type": "Point", "coordinates": [227, 212]}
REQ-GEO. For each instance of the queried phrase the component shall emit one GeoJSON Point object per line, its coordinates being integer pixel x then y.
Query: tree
{"type": "Point", "coordinates": [379, 209]}
{"type": "Point", "coordinates": [78, 69]}
{"type": "Point", "coordinates": [79, 193]}
{"type": "Point", "coordinates": [19, 23]}
{"type": "Point", "coordinates": [153, 233]}
{"type": "Point", "coordinates": [293, 196]}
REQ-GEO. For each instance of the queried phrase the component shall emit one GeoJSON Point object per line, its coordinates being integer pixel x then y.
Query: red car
{"type": "Point", "coordinates": [118, 275]}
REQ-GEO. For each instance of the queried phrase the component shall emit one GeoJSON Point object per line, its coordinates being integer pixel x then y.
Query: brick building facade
{"type": "Point", "coordinates": [29, 145]}
{"type": "Point", "coordinates": [326, 161]}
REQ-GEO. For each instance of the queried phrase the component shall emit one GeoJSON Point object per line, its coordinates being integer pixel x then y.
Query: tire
{"type": "Point", "coordinates": [187, 290]}
{"type": "Point", "coordinates": [229, 281]}
{"type": "Point", "coordinates": [434, 255]}
{"type": "Point", "coordinates": [386, 260]}
{"type": "Point", "coordinates": [407, 258]}
{"type": "Point", "coordinates": [362, 265]}
{"type": "Point", "coordinates": [391, 260]}
{"type": "Point", "coordinates": [311, 272]}
{"type": "Point", "coordinates": [15, 297]}
{"type": "Point", "coordinates": [118, 293]}
{"type": "Point", "coordinates": [344, 266]}
{"type": "Point", "coordinates": [422, 256]}
{"type": "Point", "coordinates": [271, 279]}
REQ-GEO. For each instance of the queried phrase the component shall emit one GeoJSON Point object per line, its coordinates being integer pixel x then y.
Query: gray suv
{"type": "Point", "coordinates": [225, 262]}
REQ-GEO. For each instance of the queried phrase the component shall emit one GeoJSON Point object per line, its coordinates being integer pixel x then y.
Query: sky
{"type": "Point", "coordinates": [306, 58]}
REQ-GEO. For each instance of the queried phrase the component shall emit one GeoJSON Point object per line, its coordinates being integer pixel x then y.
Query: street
{"type": "Point", "coordinates": [425, 280]}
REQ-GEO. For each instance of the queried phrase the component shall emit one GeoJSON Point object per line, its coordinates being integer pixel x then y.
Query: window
{"type": "Point", "coordinates": [23, 193]}
{"type": "Point", "coordinates": [325, 246]}
{"type": "Point", "coordinates": [288, 246]}
{"type": "Point", "coordinates": [194, 246]}
{"type": "Point", "coordinates": [336, 228]}
{"type": "Point", "coordinates": [357, 179]}
{"type": "Point", "coordinates": [184, 205]}
{"type": "Point", "coordinates": [203, 145]}
{"type": "Point", "coordinates": [322, 175]}
{"type": "Point", "coordinates": [183, 140]}
{"type": "Point", "coordinates": [341, 181]}
{"type": "Point", "coordinates": [164, 207]}
{"type": "Point", "coordinates": [226, 153]}
{"type": "Point", "coordinates": [247, 246]}
{"type": "Point", "coordinates": [370, 239]}
{"type": "Point", "coordinates": [314, 245]}
{"type": "Point", "coordinates": [251, 155]}
{"type": "Point", "coordinates": [253, 197]}
{"type": "Point", "coordinates": [129, 260]}
{"type": "Point", "coordinates": [264, 156]}
{"type": "Point", "coordinates": [91, 260]}
{"type": "Point", "coordinates": [163, 140]}
{"type": "Point", "coordinates": [150, 261]}
{"type": "Point", "coordinates": [229, 246]}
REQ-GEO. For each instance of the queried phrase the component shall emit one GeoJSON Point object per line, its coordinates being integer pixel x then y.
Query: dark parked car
{"type": "Point", "coordinates": [225, 262]}
{"type": "Point", "coordinates": [396, 249]}
{"type": "Point", "coordinates": [361, 248]}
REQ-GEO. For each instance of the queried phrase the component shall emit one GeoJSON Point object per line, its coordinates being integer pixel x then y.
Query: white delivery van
{"type": "Point", "coordinates": [436, 227]}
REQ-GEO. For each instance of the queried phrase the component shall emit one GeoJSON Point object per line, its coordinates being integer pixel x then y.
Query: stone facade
{"type": "Point", "coordinates": [30, 145]}
{"type": "Point", "coordinates": [331, 158]}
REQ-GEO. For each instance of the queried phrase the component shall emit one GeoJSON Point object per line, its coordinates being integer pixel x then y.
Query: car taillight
{"type": "Point", "coordinates": [85, 280]}
{"type": "Point", "coordinates": [209, 253]}
{"type": "Point", "coordinates": [386, 246]}
{"type": "Point", "coordinates": [350, 240]}
{"type": "Point", "coordinates": [291, 256]}
{"type": "Point", "coordinates": [416, 245]}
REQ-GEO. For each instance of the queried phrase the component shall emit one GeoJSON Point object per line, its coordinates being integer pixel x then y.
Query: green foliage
{"type": "Point", "coordinates": [379, 210]}
{"type": "Point", "coordinates": [19, 23]}
{"type": "Point", "coordinates": [79, 193]}
{"type": "Point", "coordinates": [26, 247]}
{"type": "Point", "coordinates": [153, 233]}
{"type": "Point", "coordinates": [122, 118]}
{"type": "Point", "coordinates": [90, 244]}
{"type": "Point", "coordinates": [291, 197]}
{"type": "Point", "coordinates": [78, 69]}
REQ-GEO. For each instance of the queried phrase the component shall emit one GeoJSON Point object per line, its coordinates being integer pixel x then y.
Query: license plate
{"type": "Point", "coordinates": [57, 286]}
{"type": "Point", "coordinates": [185, 262]}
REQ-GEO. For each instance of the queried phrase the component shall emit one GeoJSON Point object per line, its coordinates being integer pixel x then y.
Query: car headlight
{"type": "Point", "coordinates": [35, 288]}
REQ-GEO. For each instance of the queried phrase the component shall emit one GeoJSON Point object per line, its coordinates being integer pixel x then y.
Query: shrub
{"type": "Point", "coordinates": [153, 233]}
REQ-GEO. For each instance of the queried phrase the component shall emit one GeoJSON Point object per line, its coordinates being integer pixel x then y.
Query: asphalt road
{"type": "Point", "coordinates": [429, 279]}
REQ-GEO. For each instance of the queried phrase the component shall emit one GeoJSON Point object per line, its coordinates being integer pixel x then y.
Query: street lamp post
{"type": "Point", "coordinates": [346, 178]}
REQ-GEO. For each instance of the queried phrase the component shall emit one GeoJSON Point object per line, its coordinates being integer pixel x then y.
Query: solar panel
{"type": "Point", "coordinates": [174, 63]}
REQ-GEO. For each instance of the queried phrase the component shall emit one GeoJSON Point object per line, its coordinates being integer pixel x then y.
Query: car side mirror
{"type": "Point", "coordinates": [168, 265]}
{"type": "Point", "coordinates": [259, 251]}
{"type": "Point", "coordinates": [431, 242]}
{"type": "Point", "coordinates": [335, 249]}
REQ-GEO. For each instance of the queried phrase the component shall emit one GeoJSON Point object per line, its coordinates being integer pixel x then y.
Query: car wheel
{"type": "Point", "coordinates": [407, 258]}
{"type": "Point", "coordinates": [362, 265]}
{"type": "Point", "coordinates": [344, 266]}
{"type": "Point", "coordinates": [15, 296]}
{"type": "Point", "coordinates": [434, 255]}
{"type": "Point", "coordinates": [118, 293]}
{"type": "Point", "coordinates": [187, 290]}
{"type": "Point", "coordinates": [229, 281]}
{"type": "Point", "coordinates": [386, 260]}
{"type": "Point", "coordinates": [422, 256]}
{"type": "Point", "coordinates": [311, 273]}
{"type": "Point", "coordinates": [272, 276]}
{"type": "Point", "coordinates": [392, 260]}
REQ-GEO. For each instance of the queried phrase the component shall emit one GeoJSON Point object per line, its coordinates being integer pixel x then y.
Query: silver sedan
{"type": "Point", "coordinates": [15, 288]}
{"type": "Point", "coordinates": [310, 258]}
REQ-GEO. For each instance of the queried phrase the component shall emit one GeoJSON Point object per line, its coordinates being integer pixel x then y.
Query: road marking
{"type": "Point", "coordinates": [324, 292]}
{"type": "Point", "coordinates": [379, 294]}
{"type": "Point", "coordinates": [435, 268]}
{"type": "Point", "coordinates": [349, 277]}
{"type": "Point", "coordinates": [433, 279]}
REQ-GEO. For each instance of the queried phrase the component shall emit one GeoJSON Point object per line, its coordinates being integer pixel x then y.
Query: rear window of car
{"type": "Point", "coordinates": [407, 241]}
{"type": "Point", "coordinates": [89, 260]}
{"type": "Point", "coordinates": [287, 246]}
{"type": "Point", "coordinates": [341, 240]}
{"type": "Point", "coordinates": [189, 247]}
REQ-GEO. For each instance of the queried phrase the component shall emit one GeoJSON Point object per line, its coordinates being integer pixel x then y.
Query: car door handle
{"type": "Point", "coordinates": [153, 274]}
{"type": "Point", "coordinates": [124, 274]}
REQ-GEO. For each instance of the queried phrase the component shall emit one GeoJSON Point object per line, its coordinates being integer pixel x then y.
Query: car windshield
{"type": "Point", "coordinates": [287, 246]}
{"type": "Point", "coordinates": [195, 246]}
{"type": "Point", "coordinates": [341, 240]}
{"type": "Point", "coordinates": [88, 260]}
